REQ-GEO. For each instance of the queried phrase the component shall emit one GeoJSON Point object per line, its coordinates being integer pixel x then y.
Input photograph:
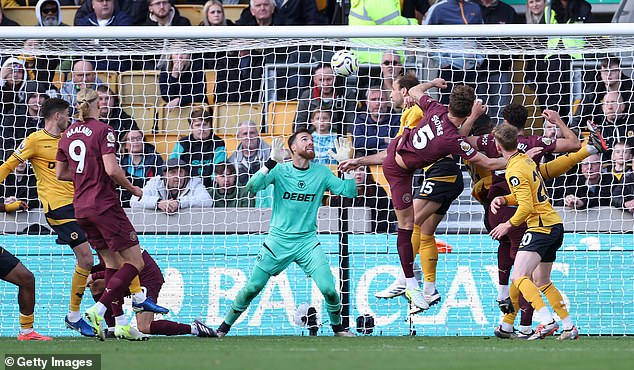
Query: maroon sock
{"type": "Point", "coordinates": [109, 317]}
{"type": "Point", "coordinates": [117, 307]}
{"type": "Point", "coordinates": [165, 327]}
{"type": "Point", "coordinates": [118, 284]}
{"type": "Point", "coordinates": [505, 262]}
{"type": "Point", "coordinates": [527, 312]}
{"type": "Point", "coordinates": [405, 252]}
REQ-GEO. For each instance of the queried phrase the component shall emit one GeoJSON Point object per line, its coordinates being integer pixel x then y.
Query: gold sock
{"type": "Point", "coordinates": [78, 285]}
{"type": "Point", "coordinates": [563, 163]}
{"type": "Point", "coordinates": [135, 285]}
{"type": "Point", "coordinates": [514, 293]}
{"type": "Point", "coordinates": [555, 300]}
{"type": "Point", "coordinates": [530, 292]}
{"type": "Point", "coordinates": [428, 257]}
{"type": "Point", "coordinates": [416, 240]}
{"type": "Point", "coordinates": [26, 321]}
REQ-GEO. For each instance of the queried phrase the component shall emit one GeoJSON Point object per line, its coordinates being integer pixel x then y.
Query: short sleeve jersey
{"type": "Point", "coordinates": [433, 138]}
{"type": "Point", "coordinates": [82, 145]}
{"type": "Point", "coordinates": [486, 144]}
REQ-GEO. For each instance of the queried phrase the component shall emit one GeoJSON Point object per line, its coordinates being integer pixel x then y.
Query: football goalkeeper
{"type": "Point", "coordinates": [299, 187]}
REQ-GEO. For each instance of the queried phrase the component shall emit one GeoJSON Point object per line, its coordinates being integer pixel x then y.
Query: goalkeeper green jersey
{"type": "Point", "coordinates": [297, 195]}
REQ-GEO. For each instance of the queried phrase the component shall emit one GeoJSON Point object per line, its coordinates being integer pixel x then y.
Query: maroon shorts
{"type": "Point", "coordinates": [400, 179]}
{"type": "Point", "coordinates": [516, 233]}
{"type": "Point", "coordinates": [110, 230]}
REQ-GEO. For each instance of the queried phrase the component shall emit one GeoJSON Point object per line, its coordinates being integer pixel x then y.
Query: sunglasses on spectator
{"type": "Point", "coordinates": [52, 10]}
{"type": "Point", "coordinates": [391, 62]}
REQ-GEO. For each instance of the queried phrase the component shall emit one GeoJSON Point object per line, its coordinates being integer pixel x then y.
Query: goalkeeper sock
{"type": "Point", "coordinates": [78, 285]}
{"type": "Point", "coordinates": [326, 284]}
{"type": "Point", "coordinates": [416, 240]}
{"type": "Point", "coordinates": [428, 260]}
{"type": "Point", "coordinates": [556, 301]}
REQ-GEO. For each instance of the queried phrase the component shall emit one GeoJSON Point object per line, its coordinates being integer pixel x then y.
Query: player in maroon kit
{"type": "Point", "coordinates": [152, 280]}
{"type": "Point", "coordinates": [87, 156]}
{"type": "Point", "coordinates": [434, 138]}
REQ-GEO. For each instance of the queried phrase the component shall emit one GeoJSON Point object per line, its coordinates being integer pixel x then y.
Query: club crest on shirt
{"type": "Point", "coordinates": [133, 236]}
{"type": "Point", "coordinates": [110, 137]}
{"type": "Point", "coordinates": [301, 184]}
{"type": "Point", "coordinates": [514, 181]}
{"type": "Point", "coordinates": [21, 147]}
{"type": "Point", "coordinates": [547, 140]}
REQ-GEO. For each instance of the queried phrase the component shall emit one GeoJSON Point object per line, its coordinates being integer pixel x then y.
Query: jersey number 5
{"type": "Point", "coordinates": [77, 151]}
{"type": "Point", "coordinates": [422, 137]}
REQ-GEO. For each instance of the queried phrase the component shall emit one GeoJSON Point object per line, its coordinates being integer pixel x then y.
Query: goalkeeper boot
{"type": "Point", "coordinates": [570, 334]}
{"type": "Point", "coordinates": [502, 334]}
{"type": "Point", "coordinates": [416, 298]}
{"type": "Point", "coordinates": [204, 331]}
{"type": "Point", "coordinates": [433, 298]}
{"type": "Point", "coordinates": [506, 306]}
{"type": "Point", "coordinates": [33, 336]}
{"type": "Point", "coordinates": [129, 333]}
{"type": "Point", "coordinates": [223, 329]}
{"type": "Point", "coordinates": [80, 326]}
{"type": "Point", "coordinates": [596, 139]}
{"type": "Point", "coordinates": [150, 306]}
{"type": "Point", "coordinates": [395, 289]}
{"type": "Point", "coordinates": [95, 320]}
{"type": "Point", "coordinates": [544, 330]}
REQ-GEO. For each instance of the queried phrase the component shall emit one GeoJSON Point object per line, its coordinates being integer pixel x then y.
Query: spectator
{"type": "Point", "coordinates": [391, 69]}
{"type": "Point", "coordinates": [173, 190]}
{"type": "Point", "coordinates": [372, 196]}
{"type": "Point", "coordinates": [182, 81]}
{"type": "Point", "coordinates": [621, 158]}
{"type": "Point", "coordinates": [609, 79]}
{"type": "Point", "coordinates": [14, 85]}
{"type": "Point", "coordinates": [324, 94]}
{"type": "Point", "coordinates": [496, 71]}
{"type": "Point", "coordinates": [139, 161]}
{"type": "Point", "coordinates": [411, 7]}
{"type": "Point", "coordinates": [374, 129]}
{"type": "Point", "coordinates": [102, 13]}
{"type": "Point", "coordinates": [615, 125]}
{"type": "Point", "coordinates": [21, 123]}
{"type": "Point", "coordinates": [4, 21]}
{"type": "Point", "coordinates": [20, 186]}
{"type": "Point", "coordinates": [213, 14]}
{"type": "Point", "coordinates": [591, 188]}
{"type": "Point", "coordinates": [163, 13]}
{"type": "Point", "coordinates": [226, 192]}
{"type": "Point", "coordinates": [111, 113]}
{"type": "Point", "coordinates": [202, 149]}
{"type": "Point", "coordinates": [260, 13]}
{"type": "Point", "coordinates": [48, 13]}
{"type": "Point", "coordinates": [323, 136]}
{"type": "Point", "coordinates": [41, 68]}
{"type": "Point", "coordinates": [623, 192]}
{"type": "Point", "coordinates": [136, 9]}
{"type": "Point", "coordinates": [535, 11]}
{"type": "Point", "coordinates": [377, 12]}
{"type": "Point", "coordinates": [83, 76]}
{"type": "Point", "coordinates": [455, 67]}
{"type": "Point", "coordinates": [251, 153]}
{"type": "Point", "coordinates": [297, 12]}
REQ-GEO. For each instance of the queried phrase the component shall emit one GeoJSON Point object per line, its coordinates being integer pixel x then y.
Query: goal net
{"type": "Point", "coordinates": [204, 99]}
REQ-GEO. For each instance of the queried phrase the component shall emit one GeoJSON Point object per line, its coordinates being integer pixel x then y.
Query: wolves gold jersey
{"type": "Point", "coordinates": [528, 192]}
{"type": "Point", "coordinates": [41, 148]}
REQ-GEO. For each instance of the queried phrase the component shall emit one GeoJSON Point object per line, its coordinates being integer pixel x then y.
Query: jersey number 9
{"type": "Point", "coordinates": [78, 156]}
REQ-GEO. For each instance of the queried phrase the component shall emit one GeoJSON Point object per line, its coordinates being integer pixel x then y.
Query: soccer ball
{"type": "Point", "coordinates": [344, 63]}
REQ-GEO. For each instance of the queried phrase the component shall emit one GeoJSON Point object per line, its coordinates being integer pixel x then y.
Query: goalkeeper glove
{"type": "Point", "coordinates": [276, 156]}
{"type": "Point", "coordinates": [343, 148]}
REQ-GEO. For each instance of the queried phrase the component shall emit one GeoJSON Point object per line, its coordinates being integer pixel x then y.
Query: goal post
{"type": "Point", "coordinates": [264, 75]}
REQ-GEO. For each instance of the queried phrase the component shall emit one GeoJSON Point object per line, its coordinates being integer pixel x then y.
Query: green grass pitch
{"type": "Point", "coordinates": [328, 353]}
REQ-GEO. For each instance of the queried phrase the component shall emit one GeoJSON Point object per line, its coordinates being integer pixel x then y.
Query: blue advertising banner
{"type": "Point", "coordinates": [203, 273]}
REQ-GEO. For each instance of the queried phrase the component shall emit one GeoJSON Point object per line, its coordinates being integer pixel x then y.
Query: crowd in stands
{"type": "Point", "coordinates": [201, 171]}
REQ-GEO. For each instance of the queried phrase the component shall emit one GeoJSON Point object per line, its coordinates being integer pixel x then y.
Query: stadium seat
{"type": "Point", "coordinates": [280, 117]}
{"type": "Point", "coordinates": [164, 143]}
{"type": "Point", "coordinates": [25, 15]}
{"type": "Point", "coordinates": [175, 121]}
{"type": "Point", "coordinates": [145, 117]}
{"type": "Point", "coordinates": [210, 80]}
{"type": "Point", "coordinates": [231, 143]}
{"type": "Point", "coordinates": [111, 78]}
{"type": "Point", "coordinates": [233, 11]}
{"type": "Point", "coordinates": [228, 116]}
{"type": "Point", "coordinates": [191, 12]}
{"type": "Point", "coordinates": [140, 88]}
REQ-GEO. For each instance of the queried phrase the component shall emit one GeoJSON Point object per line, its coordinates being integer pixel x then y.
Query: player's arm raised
{"type": "Point", "coordinates": [347, 187]}
{"type": "Point", "coordinates": [261, 179]}
{"type": "Point", "coordinates": [417, 92]}
{"type": "Point", "coordinates": [488, 163]}
{"type": "Point", "coordinates": [570, 142]}
{"type": "Point", "coordinates": [111, 165]}
{"type": "Point", "coordinates": [368, 160]}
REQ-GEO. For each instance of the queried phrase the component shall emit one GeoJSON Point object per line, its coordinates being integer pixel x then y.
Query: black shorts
{"type": "Point", "coordinates": [441, 183]}
{"type": "Point", "coordinates": [544, 244]}
{"type": "Point", "coordinates": [62, 220]}
{"type": "Point", "coordinates": [7, 262]}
